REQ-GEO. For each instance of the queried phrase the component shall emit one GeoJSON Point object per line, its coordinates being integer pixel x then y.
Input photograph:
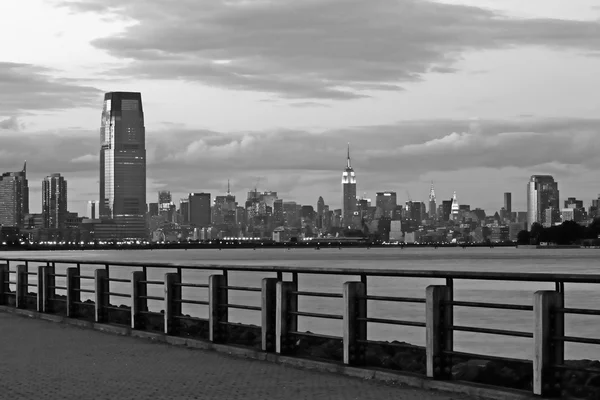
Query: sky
{"type": "Point", "coordinates": [474, 95]}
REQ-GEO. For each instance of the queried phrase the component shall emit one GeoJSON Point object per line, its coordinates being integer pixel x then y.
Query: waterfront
{"type": "Point", "coordinates": [478, 259]}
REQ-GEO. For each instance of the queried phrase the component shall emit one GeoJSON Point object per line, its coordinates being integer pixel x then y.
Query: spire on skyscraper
{"type": "Point", "coordinates": [349, 166]}
{"type": "Point", "coordinates": [432, 193]}
{"type": "Point", "coordinates": [25, 167]}
{"type": "Point", "coordinates": [228, 188]}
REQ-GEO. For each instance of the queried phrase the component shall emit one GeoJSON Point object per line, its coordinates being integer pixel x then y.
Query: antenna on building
{"type": "Point", "coordinates": [349, 155]}
{"type": "Point", "coordinates": [228, 188]}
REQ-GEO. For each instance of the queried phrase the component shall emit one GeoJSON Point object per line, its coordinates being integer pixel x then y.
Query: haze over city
{"type": "Point", "coordinates": [474, 95]}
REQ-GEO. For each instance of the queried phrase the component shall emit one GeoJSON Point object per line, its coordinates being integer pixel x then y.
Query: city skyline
{"type": "Point", "coordinates": [420, 99]}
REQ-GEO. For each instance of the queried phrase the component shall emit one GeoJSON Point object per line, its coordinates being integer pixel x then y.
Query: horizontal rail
{"type": "Point", "coordinates": [12, 282]}
{"type": "Point", "coordinates": [242, 288]}
{"type": "Point", "coordinates": [32, 273]}
{"type": "Point", "coordinates": [84, 277]}
{"type": "Point", "coordinates": [392, 322]}
{"type": "Point", "coordinates": [84, 290]}
{"type": "Point", "coordinates": [152, 282]}
{"type": "Point", "coordinates": [32, 284]}
{"type": "Point", "coordinates": [118, 280]}
{"type": "Point", "coordinates": [318, 294]}
{"type": "Point", "coordinates": [240, 307]}
{"type": "Point", "coordinates": [396, 299]}
{"type": "Point", "coordinates": [152, 298]}
{"type": "Point", "coordinates": [200, 302]}
{"type": "Point", "coordinates": [391, 344]}
{"type": "Point", "coordinates": [58, 287]}
{"type": "Point", "coordinates": [442, 274]}
{"type": "Point", "coordinates": [118, 294]}
{"type": "Point", "coordinates": [315, 315]}
{"type": "Point", "coordinates": [576, 339]}
{"type": "Point", "coordinates": [490, 305]}
{"type": "Point", "coordinates": [196, 285]}
{"type": "Point", "coordinates": [581, 311]}
{"type": "Point", "coordinates": [490, 331]}
{"type": "Point", "coordinates": [315, 335]}
{"type": "Point", "coordinates": [58, 275]}
{"type": "Point", "coordinates": [11, 272]}
{"type": "Point", "coordinates": [486, 357]}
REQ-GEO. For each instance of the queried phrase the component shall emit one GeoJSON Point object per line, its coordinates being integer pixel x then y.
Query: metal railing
{"type": "Point", "coordinates": [280, 313]}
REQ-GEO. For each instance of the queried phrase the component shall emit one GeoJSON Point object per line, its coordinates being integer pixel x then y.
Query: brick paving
{"type": "Point", "coordinates": [46, 360]}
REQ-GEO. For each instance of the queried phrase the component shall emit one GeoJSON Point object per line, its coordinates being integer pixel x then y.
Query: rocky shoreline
{"type": "Point", "coordinates": [397, 356]}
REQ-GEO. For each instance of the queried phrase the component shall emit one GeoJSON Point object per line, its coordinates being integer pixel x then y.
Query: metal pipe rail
{"type": "Point", "coordinates": [118, 280]}
{"type": "Point", "coordinates": [576, 339]}
{"type": "Point", "coordinates": [241, 288]}
{"type": "Point", "coordinates": [395, 299]}
{"type": "Point", "coordinates": [152, 282]}
{"type": "Point", "coordinates": [152, 298]}
{"type": "Point", "coordinates": [241, 307]}
{"type": "Point", "coordinates": [316, 315]}
{"type": "Point", "coordinates": [199, 302]}
{"type": "Point", "coordinates": [500, 306]}
{"type": "Point", "coordinates": [84, 277]}
{"type": "Point", "coordinates": [118, 294]}
{"type": "Point", "coordinates": [579, 311]}
{"type": "Point", "coordinates": [490, 331]}
{"type": "Point", "coordinates": [193, 285]}
{"type": "Point", "coordinates": [392, 322]}
{"type": "Point", "coordinates": [318, 294]}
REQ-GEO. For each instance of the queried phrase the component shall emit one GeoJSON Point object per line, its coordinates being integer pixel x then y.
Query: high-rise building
{"type": "Point", "coordinates": [387, 202]}
{"type": "Point", "coordinates": [123, 164]}
{"type": "Point", "coordinates": [14, 198]}
{"type": "Point", "coordinates": [93, 209]}
{"type": "Point", "coordinates": [184, 210]}
{"type": "Point", "coordinates": [432, 203]}
{"type": "Point", "coordinates": [455, 208]}
{"type": "Point", "coordinates": [54, 202]}
{"type": "Point", "coordinates": [348, 193]}
{"type": "Point", "coordinates": [542, 194]}
{"type": "Point", "coordinates": [508, 202]}
{"type": "Point", "coordinates": [199, 210]}
{"type": "Point", "coordinates": [320, 212]}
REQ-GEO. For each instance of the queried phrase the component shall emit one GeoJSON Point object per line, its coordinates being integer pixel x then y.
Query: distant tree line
{"type": "Point", "coordinates": [569, 232]}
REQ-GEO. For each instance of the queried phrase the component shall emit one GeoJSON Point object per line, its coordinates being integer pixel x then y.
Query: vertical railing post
{"type": "Point", "coordinates": [286, 322]}
{"type": "Point", "coordinates": [22, 287]}
{"type": "Point", "coordinates": [101, 294]}
{"type": "Point", "coordinates": [139, 303]}
{"type": "Point", "coordinates": [547, 351]}
{"type": "Point", "coordinates": [49, 284]}
{"type": "Point", "coordinates": [172, 301]}
{"type": "Point", "coordinates": [4, 287]}
{"type": "Point", "coordinates": [73, 293]}
{"type": "Point", "coordinates": [41, 291]}
{"type": "Point", "coordinates": [268, 311]}
{"type": "Point", "coordinates": [438, 331]}
{"type": "Point", "coordinates": [217, 313]}
{"type": "Point", "coordinates": [355, 324]}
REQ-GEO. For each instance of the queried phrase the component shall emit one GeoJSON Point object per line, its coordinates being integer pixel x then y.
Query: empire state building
{"type": "Point", "coordinates": [348, 193]}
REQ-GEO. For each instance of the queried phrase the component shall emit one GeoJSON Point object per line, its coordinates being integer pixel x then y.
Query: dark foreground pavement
{"type": "Point", "coordinates": [45, 360]}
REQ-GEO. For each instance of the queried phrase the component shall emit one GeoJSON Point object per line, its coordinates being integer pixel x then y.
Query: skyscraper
{"type": "Point", "coordinates": [348, 193]}
{"type": "Point", "coordinates": [455, 210]}
{"type": "Point", "coordinates": [387, 202]}
{"type": "Point", "coordinates": [199, 210]}
{"type": "Point", "coordinates": [14, 198]}
{"type": "Point", "coordinates": [508, 202]}
{"type": "Point", "coordinates": [432, 204]}
{"type": "Point", "coordinates": [123, 164]}
{"type": "Point", "coordinates": [320, 211]}
{"type": "Point", "coordinates": [542, 194]}
{"type": "Point", "coordinates": [54, 202]}
{"type": "Point", "coordinates": [93, 209]}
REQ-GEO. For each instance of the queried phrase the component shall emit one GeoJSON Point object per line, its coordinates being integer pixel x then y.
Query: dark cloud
{"type": "Point", "coordinates": [334, 49]}
{"type": "Point", "coordinates": [26, 87]}
{"type": "Point", "coordinates": [11, 123]}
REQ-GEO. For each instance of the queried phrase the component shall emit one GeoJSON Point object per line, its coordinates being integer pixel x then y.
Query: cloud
{"type": "Point", "coordinates": [315, 49]}
{"type": "Point", "coordinates": [27, 87]}
{"type": "Point", "coordinates": [11, 123]}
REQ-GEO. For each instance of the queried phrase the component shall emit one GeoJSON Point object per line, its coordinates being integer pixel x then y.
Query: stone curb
{"type": "Point", "coordinates": [466, 388]}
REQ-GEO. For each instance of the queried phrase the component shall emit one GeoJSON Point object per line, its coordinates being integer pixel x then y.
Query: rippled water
{"type": "Point", "coordinates": [447, 259]}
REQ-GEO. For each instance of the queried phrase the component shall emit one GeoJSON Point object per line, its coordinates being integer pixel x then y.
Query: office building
{"type": "Point", "coordinates": [454, 208]}
{"type": "Point", "coordinates": [123, 164]}
{"type": "Point", "coordinates": [54, 202]}
{"type": "Point", "coordinates": [93, 209]}
{"type": "Point", "coordinates": [348, 193]}
{"type": "Point", "coordinates": [184, 210]}
{"type": "Point", "coordinates": [199, 214]}
{"type": "Point", "coordinates": [542, 194]}
{"type": "Point", "coordinates": [508, 202]}
{"type": "Point", "coordinates": [386, 202]}
{"type": "Point", "coordinates": [432, 203]}
{"type": "Point", "coordinates": [14, 198]}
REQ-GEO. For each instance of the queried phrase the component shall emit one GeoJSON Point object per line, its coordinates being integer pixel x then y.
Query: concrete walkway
{"type": "Point", "coordinates": [46, 360]}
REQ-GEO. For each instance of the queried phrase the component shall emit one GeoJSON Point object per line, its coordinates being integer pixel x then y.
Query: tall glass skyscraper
{"type": "Point", "coordinates": [123, 164]}
{"type": "Point", "coordinates": [14, 198]}
{"type": "Point", "coordinates": [348, 193]}
{"type": "Point", "coordinates": [54, 202]}
{"type": "Point", "coordinates": [542, 195]}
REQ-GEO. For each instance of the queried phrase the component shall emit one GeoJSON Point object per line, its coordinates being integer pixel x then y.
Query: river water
{"type": "Point", "coordinates": [451, 259]}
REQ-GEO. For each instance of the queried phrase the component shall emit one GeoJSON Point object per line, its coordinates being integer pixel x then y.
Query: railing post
{"type": "Point", "coordinates": [4, 287]}
{"type": "Point", "coordinates": [438, 333]}
{"type": "Point", "coordinates": [217, 313]}
{"type": "Point", "coordinates": [547, 351]}
{"type": "Point", "coordinates": [139, 303]}
{"type": "Point", "coordinates": [355, 325]}
{"type": "Point", "coordinates": [73, 287]}
{"type": "Point", "coordinates": [49, 284]}
{"type": "Point", "coordinates": [268, 311]}
{"type": "Point", "coordinates": [22, 287]}
{"type": "Point", "coordinates": [172, 301]}
{"type": "Point", "coordinates": [286, 322]}
{"type": "Point", "coordinates": [40, 288]}
{"type": "Point", "coordinates": [101, 294]}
